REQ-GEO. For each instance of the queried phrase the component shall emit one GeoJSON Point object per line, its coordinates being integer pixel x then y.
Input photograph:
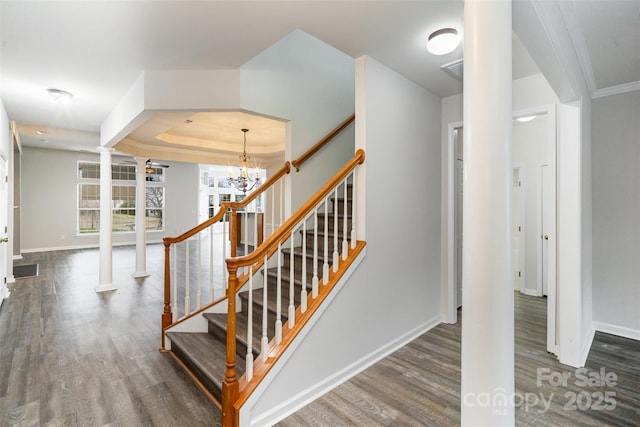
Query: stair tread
{"type": "Point", "coordinates": [205, 353]}
{"type": "Point", "coordinates": [220, 319]}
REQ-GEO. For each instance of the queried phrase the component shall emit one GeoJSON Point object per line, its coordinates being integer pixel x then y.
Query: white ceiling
{"type": "Point", "coordinates": [97, 49]}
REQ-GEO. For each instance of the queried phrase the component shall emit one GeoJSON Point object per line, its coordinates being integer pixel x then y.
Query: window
{"type": "Point", "coordinates": [123, 198]}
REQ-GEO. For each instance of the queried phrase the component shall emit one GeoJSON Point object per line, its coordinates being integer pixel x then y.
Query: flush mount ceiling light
{"type": "Point", "coordinates": [59, 96]}
{"type": "Point", "coordinates": [443, 41]}
{"type": "Point", "coordinates": [525, 119]}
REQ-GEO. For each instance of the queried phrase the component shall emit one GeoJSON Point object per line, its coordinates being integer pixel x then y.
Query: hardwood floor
{"type": "Point", "coordinates": [70, 356]}
{"type": "Point", "coordinates": [419, 385]}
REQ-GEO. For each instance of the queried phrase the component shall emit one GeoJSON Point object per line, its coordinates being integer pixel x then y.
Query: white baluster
{"type": "Point", "coordinates": [175, 282]}
{"type": "Point", "coordinates": [245, 215]}
{"type": "Point", "coordinates": [225, 272]}
{"type": "Point", "coordinates": [303, 293]}
{"type": "Point", "coordinates": [353, 209]}
{"type": "Point", "coordinates": [281, 202]}
{"type": "Point", "coordinates": [325, 266]}
{"type": "Point", "coordinates": [249, 358]}
{"type": "Point", "coordinates": [211, 265]}
{"type": "Point", "coordinates": [345, 229]}
{"type": "Point", "coordinates": [314, 282]}
{"type": "Point", "coordinates": [199, 266]}
{"type": "Point", "coordinates": [336, 232]}
{"type": "Point", "coordinates": [255, 229]}
{"type": "Point", "coordinates": [273, 209]}
{"type": "Point", "coordinates": [187, 298]}
{"type": "Point", "coordinates": [278, 296]}
{"type": "Point", "coordinates": [264, 342]}
{"type": "Point", "coordinates": [292, 308]}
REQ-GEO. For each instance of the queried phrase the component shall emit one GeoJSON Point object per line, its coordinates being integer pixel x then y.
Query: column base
{"type": "Point", "coordinates": [140, 274]}
{"type": "Point", "coordinates": [106, 287]}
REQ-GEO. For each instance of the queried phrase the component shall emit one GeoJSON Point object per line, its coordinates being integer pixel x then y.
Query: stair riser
{"type": "Point", "coordinates": [330, 224]}
{"type": "Point", "coordinates": [298, 261]}
{"type": "Point", "coordinates": [220, 334]}
{"type": "Point", "coordinates": [310, 244]}
{"type": "Point", "coordinates": [206, 382]}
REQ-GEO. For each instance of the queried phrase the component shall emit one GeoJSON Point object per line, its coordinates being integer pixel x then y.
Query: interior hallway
{"type": "Point", "coordinates": [70, 356]}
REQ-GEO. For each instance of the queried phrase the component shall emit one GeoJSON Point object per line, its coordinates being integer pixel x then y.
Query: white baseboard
{"type": "Point", "coordinates": [586, 345]}
{"type": "Point", "coordinates": [305, 397]}
{"type": "Point", "coordinates": [620, 331]}
{"type": "Point", "coordinates": [78, 247]}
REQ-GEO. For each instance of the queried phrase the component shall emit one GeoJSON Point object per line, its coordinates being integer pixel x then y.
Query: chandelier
{"type": "Point", "coordinates": [244, 182]}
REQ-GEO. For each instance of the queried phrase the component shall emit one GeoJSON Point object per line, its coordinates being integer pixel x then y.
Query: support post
{"type": "Point", "coordinates": [106, 223]}
{"type": "Point", "coordinates": [141, 209]}
{"type": "Point", "coordinates": [487, 380]}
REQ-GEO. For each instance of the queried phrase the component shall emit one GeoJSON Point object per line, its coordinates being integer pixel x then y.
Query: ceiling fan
{"type": "Point", "coordinates": [148, 165]}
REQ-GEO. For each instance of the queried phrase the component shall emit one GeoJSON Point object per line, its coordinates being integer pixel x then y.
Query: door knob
{"type": "Point", "coordinates": [4, 240]}
{"type": "Point", "coordinates": [546, 237]}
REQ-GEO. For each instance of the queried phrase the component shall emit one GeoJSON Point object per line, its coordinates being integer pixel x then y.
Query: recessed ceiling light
{"type": "Point", "coordinates": [443, 41]}
{"type": "Point", "coordinates": [525, 118]}
{"type": "Point", "coordinates": [40, 132]}
{"type": "Point", "coordinates": [59, 96]}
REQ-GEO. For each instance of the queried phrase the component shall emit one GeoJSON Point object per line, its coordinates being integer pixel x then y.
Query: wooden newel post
{"type": "Point", "coordinates": [230, 383]}
{"type": "Point", "coordinates": [167, 316]}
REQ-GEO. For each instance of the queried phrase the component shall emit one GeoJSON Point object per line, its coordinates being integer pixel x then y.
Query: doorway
{"type": "Point", "coordinates": [534, 233]}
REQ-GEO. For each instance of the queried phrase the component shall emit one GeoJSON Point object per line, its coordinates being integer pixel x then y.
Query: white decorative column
{"type": "Point", "coordinates": [487, 389]}
{"type": "Point", "coordinates": [141, 234]}
{"type": "Point", "coordinates": [106, 268]}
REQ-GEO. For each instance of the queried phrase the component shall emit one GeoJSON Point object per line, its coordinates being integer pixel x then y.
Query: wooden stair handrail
{"type": "Point", "coordinates": [283, 232]}
{"type": "Point", "coordinates": [310, 152]}
{"type": "Point", "coordinates": [167, 315]}
{"type": "Point", "coordinates": [230, 385]}
{"type": "Point", "coordinates": [230, 205]}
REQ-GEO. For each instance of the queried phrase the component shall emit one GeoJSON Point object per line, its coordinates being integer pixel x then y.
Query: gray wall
{"type": "Point", "coordinates": [310, 83]}
{"type": "Point", "coordinates": [615, 138]}
{"type": "Point", "coordinates": [49, 201]}
{"type": "Point", "coordinates": [394, 294]}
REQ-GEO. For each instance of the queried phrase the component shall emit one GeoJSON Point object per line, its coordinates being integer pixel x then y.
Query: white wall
{"type": "Point", "coordinates": [616, 207]}
{"type": "Point", "coordinates": [530, 152]}
{"type": "Point", "coordinates": [310, 83]}
{"type": "Point", "coordinates": [6, 150]}
{"type": "Point", "coordinates": [49, 191]}
{"type": "Point", "coordinates": [394, 294]}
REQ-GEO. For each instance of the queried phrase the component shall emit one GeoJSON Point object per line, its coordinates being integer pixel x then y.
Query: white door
{"type": "Point", "coordinates": [517, 222]}
{"type": "Point", "coordinates": [5, 250]}
{"type": "Point", "coordinates": [458, 225]}
{"type": "Point", "coordinates": [547, 214]}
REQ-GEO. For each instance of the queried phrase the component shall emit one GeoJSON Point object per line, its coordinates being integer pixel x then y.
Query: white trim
{"type": "Point", "coordinates": [616, 90]}
{"type": "Point", "coordinates": [452, 311]}
{"type": "Point", "coordinates": [530, 292]}
{"type": "Point", "coordinates": [105, 287]}
{"type": "Point", "coordinates": [305, 397]}
{"type": "Point", "coordinates": [586, 345]}
{"type": "Point", "coordinates": [620, 331]}
{"type": "Point", "coordinates": [17, 257]}
{"type": "Point", "coordinates": [76, 247]}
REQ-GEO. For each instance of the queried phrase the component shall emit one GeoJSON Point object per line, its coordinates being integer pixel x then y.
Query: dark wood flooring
{"type": "Point", "coordinates": [70, 357]}
{"type": "Point", "coordinates": [419, 385]}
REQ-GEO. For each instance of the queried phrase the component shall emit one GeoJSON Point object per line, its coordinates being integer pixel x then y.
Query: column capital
{"type": "Point", "coordinates": [105, 150]}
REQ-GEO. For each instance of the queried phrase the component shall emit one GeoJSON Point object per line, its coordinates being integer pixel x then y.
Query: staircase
{"type": "Point", "coordinates": [204, 354]}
